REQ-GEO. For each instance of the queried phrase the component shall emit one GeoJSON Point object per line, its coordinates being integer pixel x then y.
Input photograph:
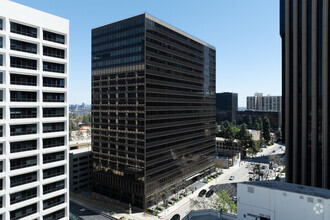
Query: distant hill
{"type": "Point", "coordinates": [241, 108]}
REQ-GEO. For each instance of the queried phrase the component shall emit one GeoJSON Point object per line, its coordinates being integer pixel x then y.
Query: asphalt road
{"type": "Point", "coordinates": [85, 215]}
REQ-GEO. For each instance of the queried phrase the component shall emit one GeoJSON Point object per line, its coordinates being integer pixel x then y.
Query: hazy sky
{"type": "Point", "coordinates": [244, 32]}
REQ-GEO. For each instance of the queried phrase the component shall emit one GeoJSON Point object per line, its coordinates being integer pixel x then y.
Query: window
{"type": "Point", "coordinates": [20, 96]}
{"type": "Point", "coordinates": [53, 52]}
{"type": "Point", "coordinates": [1, 131]}
{"type": "Point", "coordinates": [22, 212]}
{"type": "Point", "coordinates": [23, 162]}
{"type": "Point", "coordinates": [1, 113]}
{"type": "Point", "coordinates": [1, 42]}
{"type": "Point", "coordinates": [21, 146]}
{"type": "Point", "coordinates": [23, 63]}
{"type": "Point", "coordinates": [51, 172]}
{"type": "Point", "coordinates": [53, 157]}
{"type": "Point", "coordinates": [52, 187]}
{"type": "Point", "coordinates": [23, 46]}
{"type": "Point", "coordinates": [23, 113]}
{"type": "Point", "coordinates": [23, 129]}
{"type": "Point", "coordinates": [53, 82]}
{"type": "Point", "coordinates": [55, 215]}
{"type": "Point", "coordinates": [23, 179]}
{"type": "Point", "coordinates": [53, 127]}
{"type": "Point", "coordinates": [53, 112]}
{"type": "Point", "coordinates": [53, 142]}
{"type": "Point", "coordinates": [53, 67]}
{"type": "Point", "coordinates": [48, 203]}
{"type": "Point", "coordinates": [1, 166]}
{"type": "Point", "coordinates": [23, 195]}
{"type": "Point", "coordinates": [1, 60]}
{"type": "Point", "coordinates": [1, 24]}
{"type": "Point", "coordinates": [23, 29]}
{"type": "Point", "coordinates": [26, 80]}
{"type": "Point", "coordinates": [1, 77]}
{"type": "Point", "coordinates": [1, 148]}
{"type": "Point", "coordinates": [53, 97]}
{"type": "Point", "coordinates": [58, 38]}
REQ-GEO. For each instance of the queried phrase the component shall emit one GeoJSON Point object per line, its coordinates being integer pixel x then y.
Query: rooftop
{"type": "Point", "coordinates": [290, 187]}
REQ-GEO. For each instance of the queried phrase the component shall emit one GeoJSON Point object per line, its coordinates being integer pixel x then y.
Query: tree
{"type": "Point", "coordinates": [266, 129]}
{"type": "Point", "coordinates": [217, 130]}
{"type": "Point", "coordinates": [278, 134]}
{"type": "Point", "coordinates": [250, 125]}
{"type": "Point", "coordinates": [256, 125]}
{"type": "Point", "coordinates": [276, 159]}
{"type": "Point", "coordinates": [252, 147]}
{"type": "Point", "coordinates": [243, 136]}
{"type": "Point", "coordinates": [225, 203]}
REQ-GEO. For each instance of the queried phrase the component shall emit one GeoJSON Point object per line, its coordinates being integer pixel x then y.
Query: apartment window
{"type": "Point", "coordinates": [53, 112]}
{"type": "Point", "coordinates": [23, 179]}
{"type": "Point", "coordinates": [1, 166]}
{"type": "Point", "coordinates": [53, 127]}
{"type": "Point", "coordinates": [1, 77]}
{"type": "Point", "coordinates": [1, 60]}
{"type": "Point", "coordinates": [22, 146]}
{"type": "Point", "coordinates": [58, 38]}
{"type": "Point", "coordinates": [23, 129]}
{"type": "Point", "coordinates": [23, 46]}
{"type": "Point", "coordinates": [1, 148]}
{"type": "Point", "coordinates": [48, 203]}
{"type": "Point", "coordinates": [23, 63]}
{"type": "Point", "coordinates": [1, 131]}
{"type": "Point", "coordinates": [53, 157]}
{"type": "Point", "coordinates": [1, 113]}
{"type": "Point", "coordinates": [52, 187]}
{"type": "Point", "coordinates": [53, 82]}
{"type": "Point", "coordinates": [23, 162]}
{"type": "Point", "coordinates": [1, 95]}
{"type": "Point", "coordinates": [23, 195]}
{"type": "Point", "coordinates": [53, 142]}
{"type": "Point", "coordinates": [1, 24]}
{"type": "Point", "coordinates": [1, 185]}
{"type": "Point", "coordinates": [21, 96]}
{"type": "Point", "coordinates": [53, 67]}
{"type": "Point", "coordinates": [23, 29]}
{"type": "Point", "coordinates": [53, 52]}
{"type": "Point", "coordinates": [26, 80]}
{"type": "Point", "coordinates": [23, 113]}
{"type": "Point", "coordinates": [55, 215]}
{"type": "Point", "coordinates": [1, 42]}
{"type": "Point", "coordinates": [51, 172]}
{"type": "Point", "coordinates": [53, 97]}
{"type": "Point", "coordinates": [23, 212]}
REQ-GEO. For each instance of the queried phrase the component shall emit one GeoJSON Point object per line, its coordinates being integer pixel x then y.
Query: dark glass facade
{"type": "Point", "coordinates": [305, 86]}
{"type": "Point", "coordinates": [227, 104]}
{"type": "Point", "coordinates": [153, 109]}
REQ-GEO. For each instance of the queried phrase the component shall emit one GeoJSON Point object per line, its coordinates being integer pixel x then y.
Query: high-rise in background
{"type": "Point", "coordinates": [305, 51]}
{"type": "Point", "coordinates": [34, 58]}
{"type": "Point", "coordinates": [226, 107]}
{"type": "Point", "coordinates": [153, 109]}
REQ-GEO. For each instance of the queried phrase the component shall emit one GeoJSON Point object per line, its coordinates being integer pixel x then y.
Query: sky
{"type": "Point", "coordinates": [244, 32]}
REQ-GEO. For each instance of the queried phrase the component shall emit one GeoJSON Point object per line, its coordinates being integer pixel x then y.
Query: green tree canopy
{"type": "Point", "coordinates": [225, 203]}
{"type": "Point", "coordinates": [266, 129]}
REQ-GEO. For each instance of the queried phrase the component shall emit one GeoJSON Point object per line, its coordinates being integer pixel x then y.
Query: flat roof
{"type": "Point", "coordinates": [81, 150]}
{"type": "Point", "coordinates": [290, 187]}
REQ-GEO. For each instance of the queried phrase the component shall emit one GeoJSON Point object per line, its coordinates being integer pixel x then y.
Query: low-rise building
{"type": "Point", "coordinates": [278, 200]}
{"type": "Point", "coordinates": [80, 165]}
{"type": "Point", "coordinates": [227, 153]}
{"type": "Point", "coordinates": [274, 118]}
{"type": "Point", "coordinates": [255, 134]}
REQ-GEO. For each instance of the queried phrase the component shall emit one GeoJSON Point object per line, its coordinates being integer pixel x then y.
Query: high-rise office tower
{"type": "Point", "coordinates": [226, 109]}
{"type": "Point", "coordinates": [153, 109]}
{"type": "Point", "coordinates": [33, 114]}
{"type": "Point", "coordinates": [305, 59]}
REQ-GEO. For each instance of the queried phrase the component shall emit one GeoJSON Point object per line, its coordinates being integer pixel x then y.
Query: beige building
{"type": "Point", "coordinates": [258, 102]}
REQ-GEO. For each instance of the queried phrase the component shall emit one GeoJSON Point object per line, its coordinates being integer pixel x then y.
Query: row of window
{"type": "Point", "coordinates": [22, 96]}
{"type": "Point", "coordinates": [32, 161]}
{"type": "Point", "coordinates": [32, 112]}
{"type": "Point", "coordinates": [27, 80]}
{"type": "Point", "coordinates": [32, 209]}
{"type": "Point", "coordinates": [26, 129]}
{"type": "Point", "coordinates": [31, 64]}
{"type": "Point", "coordinates": [33, 32]}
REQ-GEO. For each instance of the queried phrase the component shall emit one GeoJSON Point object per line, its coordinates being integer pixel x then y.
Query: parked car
{"type": "Point", "coordinates": [209, 193]}
{"type": "Point", "coordinates": [202, 193]}
{"type": "Point", "coordinates": [231, 178]}
{"type": "Point", "coordinates": [176, 217]}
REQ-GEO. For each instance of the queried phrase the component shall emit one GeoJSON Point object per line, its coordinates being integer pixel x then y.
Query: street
{"type": "Point", "coordinates": [190, 202]}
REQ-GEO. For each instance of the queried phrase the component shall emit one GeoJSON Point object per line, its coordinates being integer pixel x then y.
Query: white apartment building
{"type": "Point", "coordinates": [275, 200]}
{"type": "Point", "coordinates": [258, 102]}
{"type": "Point", "coordinates": [34, 64]}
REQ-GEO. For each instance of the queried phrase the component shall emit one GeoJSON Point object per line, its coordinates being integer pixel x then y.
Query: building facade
{"type": "Point", "coordinates": [81, 165]}
{"type": "Point", "coordinates": [279, 200]}
{"type": "Point", "coordinates": [34, 59]}
{"type": "Point", "coordinates": [227, 105]}
{"type": "Point", "coordinates": [153, 109]}
{"type": "Point", "coordinates": [305, 60]}
{"type": "Point", "coordinates": [258, 102]}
